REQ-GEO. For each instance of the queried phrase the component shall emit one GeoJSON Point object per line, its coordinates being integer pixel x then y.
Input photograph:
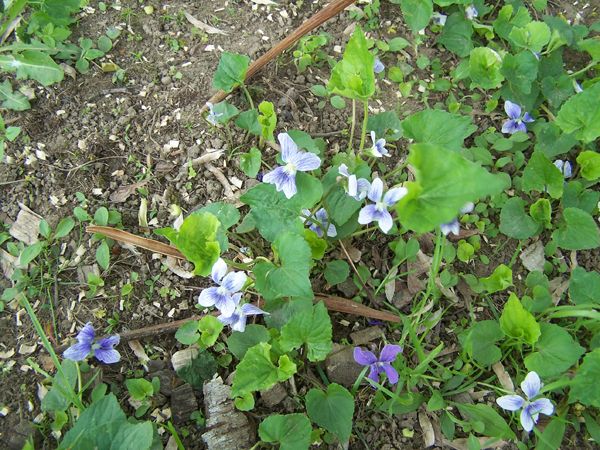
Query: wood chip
{"type": "Point", "coordinates": [201, 25]}
{"type": "Point", "coordinates": [26, 227]}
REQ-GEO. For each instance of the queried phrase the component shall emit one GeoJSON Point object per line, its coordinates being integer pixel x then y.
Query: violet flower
{"type": "Point", "coordinates": [378, 67]}
{"type": "Point", "coordinates": [564, 167]}
{"type": "Point", "coordinates": [516, 119]}
{"type": "Point", "coordinates": [319, 222]}
{"type": "Point", "coordinates": [439, 18]}
{"type": "Point", "coordinates": [222, 296]}
{"type": "Point", "coordinates": [284, 177]}
{"type": "Point", "coordinates": [378, 212]}
{"type": "Point", "coordinates": [212, 116]}
{"type": "Point", "coordinates": [381, 364]}
{"type": "Point", "coordinates": [577, 87]}
{"type": "Point", "coordinates": [378, 150]}
{"type": "Point", "coordinates": [103, 349]}
{"type": "Point", "coordinates": [531, 386]}
{"type": "Point", "coordinates": [237, 320]}
{"type": "Point", "coordinates": [471, 12]}
{"type": "Point", "coordinates": [454, 225]}
{"type": "Point", "coordinates": [357, 188]}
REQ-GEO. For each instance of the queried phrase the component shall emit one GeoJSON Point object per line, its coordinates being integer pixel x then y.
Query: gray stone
{"type": "Point", "coordinates": [367, 335]}
{"type": "Point", "coordinates": [274, 396]}
{"type": "Point", "coordinates": [341, 367]}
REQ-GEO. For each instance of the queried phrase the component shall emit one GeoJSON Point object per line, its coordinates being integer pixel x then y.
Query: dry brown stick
{"type": "Point", "coordinates": [307, 26]}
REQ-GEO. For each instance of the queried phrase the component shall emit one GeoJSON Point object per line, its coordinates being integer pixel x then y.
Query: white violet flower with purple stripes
{"type": "Point", "coordinates": [284, 177]}
{"type": "Point", "coordinates": [357, 188]}
{"type": "Point", "coordinates": [454, 225]}
{"type": "Point", "coordinates": [222, 297]}
{"type": "Point", "coordinates": [378, 67]}
{"type": "Point", "coordinates": [103, 349]}
{"type": "Point", "coordinates": [319, 222]}
{"type": "Point", "coordinates": [531, 410]}
{"type": "Point", "coordinates": [516, 120]}
{"type": "Point", "coordinates": [378, 150]}
{"type": "Point", "coordinates": [212, 116]}
{"type": "Point", "coordinates": [471, 12]}
{"type": "Point", "coordinates": [565, 168]}
{"type": "Point", "coordinates": [237, 319]}
{"type": "Point", "coordinates": [378, 212]}
{"type": "Point", "coordinates": [439, 18]}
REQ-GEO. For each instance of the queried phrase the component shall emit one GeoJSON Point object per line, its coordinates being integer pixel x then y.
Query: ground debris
{"type": "Point", "coordinates": [183, 403]}
{"type": "Point", "coordinates": [26, 227]}
{"type": "Point", "coordinates": [228, 428]}
{"type": "Point", "coordinates": [341, 367]}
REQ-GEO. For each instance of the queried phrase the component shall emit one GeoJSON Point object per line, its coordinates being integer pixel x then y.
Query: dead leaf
{"type": "Point", "coordinates": [124, 192]}
{"type": "Point", "coordinates": [26, 227]}
{"type": "Point", "coordinates": [264, 2]}
{"type": "Point", "coordinates": [138, 351]}
{"type": "Point", "coordinates": [503, 376]}
{"type": "Point", "coordinates": [533, 257]}
{"type": "Point", "coordinates": [7, 354]}
{"type": "Point", "coordinates": [201, 25]}
{"type": "Point", "coordinates": [427, 429]}
{"type": "Point", "coordinates": [69, 70]}
{"type": "Point", "coordinates": [390, 286]}
{"type": "Point", "coordinates": [26, 349]}
{"type": "Point", "coordinates": [8, 263]}
{"type": "Point", "coordinates": [183, 358]}
{"type": "Point", "coordinates": [173, 265]}
{"type": "Point", "coordinates": [558, 287]}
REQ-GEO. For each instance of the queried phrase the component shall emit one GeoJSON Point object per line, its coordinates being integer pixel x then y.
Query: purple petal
{"type": "Point", "coordinates": [373, 137]}
{"type": "Point", "coordinates": [352, 186]}
{"type": "Point", "coordinates": [390, 352]}
{"type": "Point", "coordinates": [363, 187]}
{"type": "Point", "coordinates": [512, 109]}
{"type": "Point", "coordinates": [450, 227]}
{"type": "Point", "coordinates": [567, 170]}
{"type": "Point", "coordinates": [467, 208]}
{"type": "Point", "coordinates": [526, 420]}
{"type": "Point", "coordinates": [542, 405]}
{"type": "Point", "coordinates": [378, 67]}
{"type": "Point", "coordinates": [343, 170]}
{"type": "Point", "coordinates": [109, 342]}
{"type": "Point", "coordinates": [218, 271]}
{"type": "Point", "coordinates": [374, 373]}
{"type": "Point", "coordinates": [385, 221]}
{"type": "Point", "coordinates": [391, 373]}
{"type": "Point", "coordinates": [368, 214]}
{"type": "Point", "coordinates": [282, 180]}
{"type": "Point", "coordinates": [288, 147]}
{"type": "Point", "coordinates": [321, 216]}
{"type": "Point", "coordinates": [512, 126]}
{"type": "Point", "coordinates": [305, 161]}
{"type": "Point", "coordinates": [250, 310]}
{"type": "Point", "coordinates": [376, 190]}
{"type": "Point", "coordinates": [240, 324]}
{"type": "Point", "coordinates": [392, 196]}
{"type": "Point", "coordinates": [531, 385]}
{"type": "Point", "coordinates": [226, 305]}
{"type": "Point", "coordinates": [87, 334]}
{"type": "Point", "coordinates": [289, 187]}
{"type": "Point", "coordinates": [234, 281]}
{"type": "Point", "coordinates": [77, 352]}
{"type": "Point", "coordinates": [208, 297]}
{"type": "Point", "coordinates": [229, 320]}
{"type": "Point", "coordinates": [364, 357]}
{"type": "Point", "coordinates": [331, 230]}
{"type": "Point", "coordinates": [107, 356]}
{"type": "Point", "coordinates": [510, 402]}
{"type": "Point", "coordinates": [527, 118]}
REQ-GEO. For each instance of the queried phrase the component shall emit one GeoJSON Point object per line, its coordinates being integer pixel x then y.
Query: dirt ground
{"type": "Point", "coordinates": [98, 136]}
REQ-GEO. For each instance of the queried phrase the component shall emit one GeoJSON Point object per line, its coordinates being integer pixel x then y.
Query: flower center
{"type": "Point", "coordinates": [290, 169]}
{"type": "Point", "coordinates": [381, 206]}
{"type": "Point", "coordinates": [95, 346]}
{"type": "Point", "coordinates": [221, 290]}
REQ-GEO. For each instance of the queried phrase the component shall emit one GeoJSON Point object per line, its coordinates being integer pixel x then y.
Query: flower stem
{"type": "Point", "coordinates": [585, 69]}
{"type": "Point", "coordinates": [547, 111]}
{"type": "Point", "coordinates": [363, 134]}
{"type": "Point", "coordinates": [247, 94]}
{"type": "Point", "coordinates": [435, 265]}
{"type": "Point", "coordinates": [352, 126]}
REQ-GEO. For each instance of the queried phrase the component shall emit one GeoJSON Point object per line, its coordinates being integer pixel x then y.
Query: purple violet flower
{"type": "Point", "coordinates": [284, 177]}
{"type": "Point", "coordinates": [212, 116]}
{"type": "Point", "coordinates": [531, 386]}
{"type": "Point", "coordinates": [471, 12]}
{"type": "Point", "coordinates": [565, 168]}
{"type": "Point", "coordinates": [378, 212]}
{"type": "Point", "coordinates": [381, 364]}
{"type": "Point", "coordinates": [103, 349]}
{"type": "Point", "coordinates": [378, 150]}
{"type": "Point", "coordinates": [229, 284]}
{"type": "Point", "coordinates": [357, 188]}
{"type": "Point", "coordinates": [439, 18]}
{"type": "Point", "coordinates": [516, 119]}
{"type": "Point", "coordinates": [378, 67]}
{"type": "Point", "coordinates": [454, 225]}
{"type": "Point", "coordinates": [318, 222]}
{"type": "Point", "coordinates": [237, 320]}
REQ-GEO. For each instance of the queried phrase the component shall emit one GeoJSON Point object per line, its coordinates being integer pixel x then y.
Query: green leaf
{"type": "Point", "coordinates": [210, 327]}
{"type": "Point", "coordinates": [256, 371]}
{"type": "Point", "coordinates": [58, 398]}
{"type": "Point", "coordinates": [103, 255]}
{"type": "Point", "coordinates": [435, 126]}
{"type": "Point", "coordinates": [499, 280]}
{"type": "Point", "coordinates": [227, 214]}
{"type": "Point", "coordinates": [542, 176]}
{"type": "Point", "coordinates": [267, 120]}
{"type": "Point", "coordinates": [336, 272]}
{"type": "Point", "coordinates": [520, 71]}
{"type": "Point", "coordinates": [515, 222]}
{"type": "Point", "coordinates": [552, 436]}
{"type": "Point", "coordinates": [248, 120]}
{"type": "Point", "coordinates": [416, 13]}
{"type": "Point", "coordinates": [541, 212]}
{"type": "Point", "coordinates": [518, 323]}
{"type": "Point", "coordinates": [201, 369]}
{"type": "Point", "coordinates": [506, 21]}
{"type": "Point", "coordinates": [444, 182]}
{"type": "Point", "coordinates": [231, 71]}
{"type": "Point", "coordinates": [398, 43]}
{"type": "Point", "coordinates": [196, 239]}
{"type": "Point", "coordinates": [332, 410]}
{"type": "Point", "coordinates": [551, 141]}
{"type": "Point", "coordinates": [317, 245]}
{"type": "Point", "coordinates": [579, 232]}
{"type": "Point", "coordinates": [485, 68]}
{"type": "Point", "coordinates": [533, 36]}
{"type": "Point", "coordinates": [581, 114]}
{"type": "Point", "coordinates": [584, 287]}
{"type": "Point", "coordinates": [104, 44]}
{"type": "Point", "coordinates": [492, 423]}
{"type": "Point", "coordinates": [290, 278]}
{"type": "Point", "coordinates": [225, 112]}
{"type": "Point", "coordinates": [584, 387]}
{"type": "Point", "coordinates": [456, 34]}
{"type": "Point", "coordinates": [557, 89]}
{"type": "Point", "coordinates": [36, 65]}
{"type": "Point", "coordinates": [101, 216]}
{"type": "Point", "coordinates": [337, 102]}
{"type": "Point", "coordinates": [556, 351]}
{"type": "Point", "coordinates": [133, 435]}
{"type": "Point", "coordinates": [12, 100]}
{"type": "Point", "coordinates": [479, 342]}
{"type": "Point", "coordinates": [576, 196]}
{"type": "Point", "coordinates": [188, 333]}
{"type": "Point", "coordinates": [239, 343]}
{"type": "Point", "coordinates": [250, 162]}
{"type": "Point", "coordinates": [290, 431]}
{"type": "Point", "coordinates": [385, 125]}
{"type": "Point", "coordinates": [31, 252]}
{"type": "Point", "coordinates": [353, 76]}
{"type": "Point", "coordinates": [314, 330]}
{"type": "Point", "coordinates": [589, 162]}
{"type": "Point", "coordinates": [64, 227]}
{"type": "Point", "coordinates": [139, 388]}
